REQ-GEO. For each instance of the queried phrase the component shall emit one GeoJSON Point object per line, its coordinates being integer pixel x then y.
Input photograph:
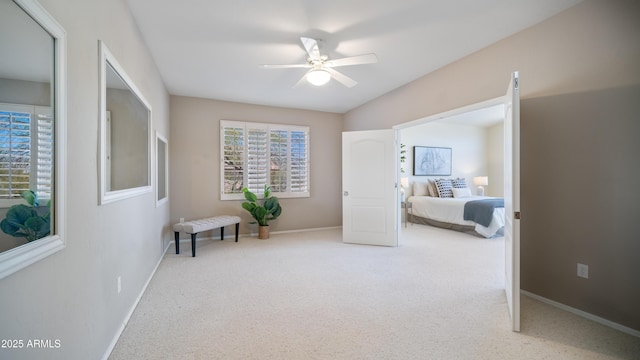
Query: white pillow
{"type": "Point", "coordinates": [420, 189]}
{"type": "Point", "coordinates": [461, 192]}
{"type": "Point", "coordinates": [433, 190]}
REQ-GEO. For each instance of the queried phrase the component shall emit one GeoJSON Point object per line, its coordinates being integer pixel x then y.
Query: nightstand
{"type": "Point", "coordinates": [406, 206]}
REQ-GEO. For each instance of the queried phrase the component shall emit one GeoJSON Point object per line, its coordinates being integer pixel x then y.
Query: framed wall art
{"type": "Point", "coordinates": [431, 161]}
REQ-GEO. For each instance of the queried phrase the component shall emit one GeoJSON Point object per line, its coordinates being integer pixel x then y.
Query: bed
{"type": "Point", "coordinates": [448, 213]}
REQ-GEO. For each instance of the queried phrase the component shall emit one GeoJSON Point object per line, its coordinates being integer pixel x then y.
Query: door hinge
{"type": "Point", "coordinates": [516, 215]}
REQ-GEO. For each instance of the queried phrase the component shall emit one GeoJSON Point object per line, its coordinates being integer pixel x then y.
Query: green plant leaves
{"type": "Point", "coordinates": [265, 212]}
{"type": "Point", "coordinates": [249, 195]}
{"type": "Point", "coordinates": [25, 221]}
{"type": "Point", "coordinates": [31, 197]}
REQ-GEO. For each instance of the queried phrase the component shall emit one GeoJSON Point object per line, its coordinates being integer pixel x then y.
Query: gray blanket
{"type": "Point", "coordinates": [481, 211]}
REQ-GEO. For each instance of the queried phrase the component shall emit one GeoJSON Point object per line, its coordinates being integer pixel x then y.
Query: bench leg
{"type": "Point", "coordinates": [222, 233]}
{"type": "Point", "coordinates": [193, 244]}
{"type": "Point", "coordinates": [237, 228]}
{"type": "Point", "coordinates": [177, 237]}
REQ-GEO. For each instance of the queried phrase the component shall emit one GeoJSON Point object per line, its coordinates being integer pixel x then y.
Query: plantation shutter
{"type": "Point", "coordinates": [233, 158]}
{"type": "Point", "coordinates": [44, 161]}
{"type": "Point", "coordinates": [255, 154]}
{"type": "Point", "coordinates": [256, 157]}
{"type": "Point", "coordinates": [15, 153]}
{"type": "Point", "coordinates": [279, 160]}
{"type": "Point", "coordinates": [299, 162]}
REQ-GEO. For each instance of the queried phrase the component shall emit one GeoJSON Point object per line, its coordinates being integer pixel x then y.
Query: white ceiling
{"type": "Point", "coordinates": [213, 48]}
{"type": "Point", "coordinates": [26, 48]}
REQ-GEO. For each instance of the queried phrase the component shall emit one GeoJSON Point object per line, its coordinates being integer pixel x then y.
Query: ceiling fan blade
{"type": "Point", "coordinates": [311, 46]}
{"type": "Point", "coordinates": [341, 78]}
{"type": "Point", "coordinates": [268, 66]}
{"type": "Point", "coordinates": [302, 80]}
{"type": "Point", "coordinates": [352, 60]}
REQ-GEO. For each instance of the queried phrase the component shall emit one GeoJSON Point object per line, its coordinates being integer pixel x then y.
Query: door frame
{"type": "Point", "coordinates": [431, 118]}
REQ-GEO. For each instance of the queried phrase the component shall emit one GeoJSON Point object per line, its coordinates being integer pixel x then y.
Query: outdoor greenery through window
{"type": "Point", "coordinates": [26, 150]}
{"type": "Point", "coordinates": [255, 154]}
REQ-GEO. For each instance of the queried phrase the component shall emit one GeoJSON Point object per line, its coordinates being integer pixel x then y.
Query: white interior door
{"type": "Point", "coordinates": [369, 204]}
{"type": "Point", "coordinates": [512, 199]}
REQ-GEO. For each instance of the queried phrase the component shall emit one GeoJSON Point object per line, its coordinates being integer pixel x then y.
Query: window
{"type": "Point", "coordinates": [23, 166]}
{"type": "Point", "coordinates": [255, 154]}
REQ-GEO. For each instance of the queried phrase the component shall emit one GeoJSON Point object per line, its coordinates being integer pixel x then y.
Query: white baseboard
{"type": "Point", "coordinates": [586, 315]}
{"type": "Point", "coordinates": [113, 343]}
{"type": "Point", "coordinates": [298, 231]}
{"type": "Point", "coordinates": [256, 234]}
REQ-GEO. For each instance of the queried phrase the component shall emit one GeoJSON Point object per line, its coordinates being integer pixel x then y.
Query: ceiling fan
{"type": "Point", "coordinates": [321, 67]}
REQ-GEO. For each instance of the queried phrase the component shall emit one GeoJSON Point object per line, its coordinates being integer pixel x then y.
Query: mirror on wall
{"type": "Point", "coordinates": [125, 120]}
{"type": "Point", "coordinates": [162, 170]}
{"type": "Point", "coordinates": [32, 130]}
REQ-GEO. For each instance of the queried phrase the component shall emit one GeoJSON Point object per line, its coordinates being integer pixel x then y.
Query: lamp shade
{"type": "Point", "coordinates": [481, 180]}
{"type": "Point", "coordinates": [404, 182]}
{"type": "Point", "coordinates": [318, 77]}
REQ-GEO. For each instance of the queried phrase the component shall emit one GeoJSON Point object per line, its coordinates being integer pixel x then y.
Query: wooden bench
{"type": "Point", "coordinates": [194, 227]}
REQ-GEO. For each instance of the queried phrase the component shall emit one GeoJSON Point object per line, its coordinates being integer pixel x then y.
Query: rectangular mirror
{"type": "Point", "coordinates": [162, 170]}
{"type": "Point", "coordinates": [32, 131]}
{"type": "Point", "coordinates": [125, 128]}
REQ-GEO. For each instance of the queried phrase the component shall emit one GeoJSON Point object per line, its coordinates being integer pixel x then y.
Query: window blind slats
{"type": "Point", "coordinates": [44, 164]}
{"type": "Point", "coordinates": [277, 155]}
{"type": "Point", "coordinates": [15, 153]}
{"type": "Point", "coordinates": [233, 156]}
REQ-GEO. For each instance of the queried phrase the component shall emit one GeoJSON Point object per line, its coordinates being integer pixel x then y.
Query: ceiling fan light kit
{"type": "Point", "coordinates": [322, 68]}
{"type": "Point", "coordinates": [318, 77]}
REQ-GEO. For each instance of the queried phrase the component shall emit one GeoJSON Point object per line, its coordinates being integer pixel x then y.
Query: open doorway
{"type": "Point", "coordinates": [511, 178]}
{"type": "Point", "coordinates": [472, 138]}
{"type": "Point", "coordinates": [476, 139]}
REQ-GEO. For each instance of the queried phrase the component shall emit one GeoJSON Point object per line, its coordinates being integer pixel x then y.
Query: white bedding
{"type": "Point", "coordinates": [451, 210]}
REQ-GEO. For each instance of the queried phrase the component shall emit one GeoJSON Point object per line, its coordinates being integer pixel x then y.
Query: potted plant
{"type": "Point", "coordinates": [27, 221]}
{"type": "Point", "coordinates": [264, 210]}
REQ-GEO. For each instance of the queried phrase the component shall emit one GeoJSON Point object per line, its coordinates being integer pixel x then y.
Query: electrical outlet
{"type": "Point", "coordinates": [119, 284]}
{"type": "Point", "coordinates": [583, 271]}
{"type": "Point", "coordinates": [181, 220]}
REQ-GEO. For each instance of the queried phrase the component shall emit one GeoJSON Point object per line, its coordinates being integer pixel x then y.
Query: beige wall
{"type": "Point", "coordinates": [25, 92]}
{"type": "Point", "coordinates": [592, 46]}
{"type": "Point", "coordinates": [129, 140]}
{"type": "Point", "coordinates": [495, 154]}
{"type": "Point", "coordinates": [72, 295]}
{"type": "Point", "coordinates": [580, 174]}
{"type": "Point", "coordinates": [469, 149]}
{"type": "Point", "coordinates": [195, 163]}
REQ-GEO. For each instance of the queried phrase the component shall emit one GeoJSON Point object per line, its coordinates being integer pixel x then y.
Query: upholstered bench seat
{"type": "Point", "coordinates": [194, 227]}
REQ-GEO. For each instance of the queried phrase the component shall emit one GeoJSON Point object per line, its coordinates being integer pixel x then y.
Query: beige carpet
{"type": "Point", "coordinates": [439, 295]}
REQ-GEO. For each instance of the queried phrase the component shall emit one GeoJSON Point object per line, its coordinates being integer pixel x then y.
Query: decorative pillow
{"type": "Point", "coordinates": [420, 189]}
{"type": "Point", "coordinates": [444, 188]}
{"type": "Point", "coordinates": [459, 183]}
{"type": "Point", "coordinates": [461, 192]}
{"type": "Point", "coordinates": [433, 190]}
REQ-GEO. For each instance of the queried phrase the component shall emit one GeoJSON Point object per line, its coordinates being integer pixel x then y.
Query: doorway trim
{"type": "Point", "coordinates": [458, 111]}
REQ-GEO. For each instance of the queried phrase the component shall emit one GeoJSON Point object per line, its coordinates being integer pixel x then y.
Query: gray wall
{"type": "Point", "coordinates": [72, 295]}
{"type": "Point", "coordinates": [25, 92]}
{"type": "Point", "coordinates": [129, 140]}
{"type": "Point", "coordinates": [588, 48]}
{"type": "Point", "coordinates": [580, 172]}
{"type": "Point", "coordinates": [195, 163]}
